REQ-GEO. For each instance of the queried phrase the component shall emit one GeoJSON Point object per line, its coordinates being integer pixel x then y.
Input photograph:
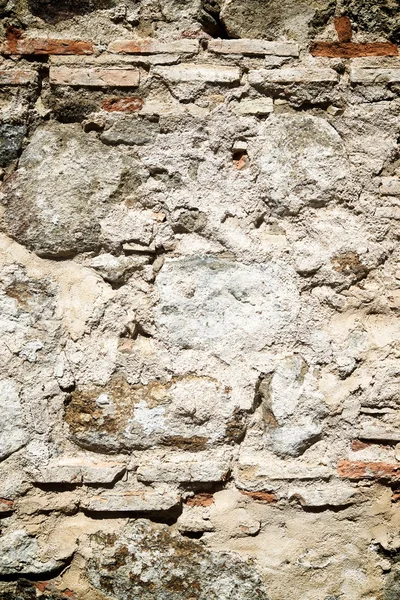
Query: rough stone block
{"type": "Point", "coordinates": [11, 138]}
{"type": "Point", "coordinates": [333, 494]}
{"type": "Point", "coordinates": [390, 186]}
{"type": "Point", "coordinates": [14, 432]}
{"type": "Point", "coordinates": [216, 314]}
{"type": "Point", "coordinates": [186, 469]}
{"type": "Point", "coordinates": [119, 416]}
{"type": "Point", "coordinates": [79, 470]}
{"type": "Point", "coordinates": [82, 188]}
{"type": "Point", "coordinates": [139, 500]}
{"type": "Point", "coordinates": [375, 76]}
{"type": "Point", "coordinates": [257, 107]}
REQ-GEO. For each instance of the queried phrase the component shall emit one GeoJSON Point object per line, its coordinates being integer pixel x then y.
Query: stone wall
{"type": "Point", "coordinates": [200, 291]}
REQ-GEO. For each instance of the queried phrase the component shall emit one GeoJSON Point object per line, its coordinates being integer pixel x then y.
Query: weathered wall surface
{"type": "Point", "coordinates": [200, 289]}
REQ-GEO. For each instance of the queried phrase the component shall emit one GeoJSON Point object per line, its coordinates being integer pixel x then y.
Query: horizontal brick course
{"type": "Point", "coordinates": [256, 47]}
{"type": "Point", "coordinates": [192, 73]}
{"type": "Point", "coordinates": [149, 46]}
{"type": "Point", "coordinates": [374, 76]}
{"type": "Point", "coordinates": [17, 76]}
{"type": "Point", "coordinates": [40, 46]}
{"type": "Point", "coordinates": [352, 49]}
{"type": "Point", "coordinates": [356, 470]}
{"type": "Point", "coordinates": [6, 505]}
{"type": "Point", "coordinates": [293, 75]}
{"type": "Point", "coordinates": [131, 104]}
{"type": "Point", "coordinates": [94, 77]}
{"type": "Point", "coordinates": [261, 496]}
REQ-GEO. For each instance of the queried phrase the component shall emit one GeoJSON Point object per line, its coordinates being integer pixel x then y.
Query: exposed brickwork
{"type": "Point", "coordinates": [261, 496]}
{"type": "Point", "coordinates": [149, 46]}
{"type": "Point", "coordinates": [199, 290]}
{"type": "Point", "coordinates": [130, 104]}
{"type": "Point", "coordinates": [203, 499]}
{"type": "Point", "coordinates": [353, 50]}
{"type": "Point", "coordinates": [94, 77]}
{"type": "Point", "coordinates": [15, 44]}
{"type": "Point", "coordinates": [18, 76]}
{"type": "Point", "coordinates": [6, 505]}
{"type": "Point", "coordinates": [343, 29]}
{"type": "Point", "coordinates": [355, 470]}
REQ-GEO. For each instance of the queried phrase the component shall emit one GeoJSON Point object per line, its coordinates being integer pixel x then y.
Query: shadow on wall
{"type": "Point", "coordinates": [53, 11]}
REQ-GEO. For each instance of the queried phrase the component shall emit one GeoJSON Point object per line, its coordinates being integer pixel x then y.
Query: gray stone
{"type": "Point", "coordinates": [275, 19]}
{"type": "Point", "coordinates": [11, 138]}
{"type": "Point", "coordinates": [118, 416]}
{"type": "Point", "coordinates": [375, 16]}
{"type": "Point", "coordinates": [13, 429]}
{"type": "Point", "coordinates": [20, 553]}
{"type": "Point", "coordinates": [303, 162]}
{"type": "Point", "coordinates": [131, 131]}
{"type": "Point", "coordinates": [53, 204]}
{"type": "Point", "coordinates": [205, 303]}
{"type": "Point", "coordinates": [150, 561]}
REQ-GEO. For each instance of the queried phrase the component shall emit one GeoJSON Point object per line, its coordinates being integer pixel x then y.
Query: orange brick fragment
{"type": "Point", "coordinates": [131, 104]}
{"type": "Point", "coordinates": [261, 496]}
{"type": "Point", "coordinates": [343, 29]}
{"type": "Point", "coordinates": [15, 43]}
{"type": "Point", "coordinates": [202, 499]}
{"type": "Point", "coordinates": [357, 445]}
{"type": "Point", "coordinates": [396, 496]}
{"type": "Point", "coordinates": [353, 50]}
{"type": "Point", "coordinates": [355, 470]}
{"type": "Point", "coordinates": [6, 505]}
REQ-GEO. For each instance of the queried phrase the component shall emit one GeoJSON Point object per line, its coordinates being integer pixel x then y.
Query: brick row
{"type": "Point", "coordinates": [295, 75]}
{"type": "Point", "coordinates": [253, 47]}
{"type": "Point", "coordinates": [151, 46]}
{"type": "Point", "coordinates": [94, 77]}
{"type": "Point", "coordinates": [357, 470]}
{"type": "Point", "coordinates": [17, 76]}
{"type": "Point", "coordinates": [372, 76]}
{"type": "Point", "coordinates": [16, 44]}
{"type": "Point", "coordinates": [352, 49]}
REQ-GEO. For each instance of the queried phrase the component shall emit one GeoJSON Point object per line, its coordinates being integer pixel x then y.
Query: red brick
{"type": "Point", "coordinates": [130, 104]}
{"type": "Point", "coordinates": [6, 505]}
{"type": "Point", "coordinates": [42, 585]}
{"type": "Point", "coordinates": [16, 44]}
{"type": "Point", "coordinates": [17, 76]}
{"type": "Point", "coordinates": [343, 29]}
{"type": "Point", "coordinates": [353, 50]}
{"type": "Point", "coordinates": [94, 77]}
{"type": "Point", "coordinates": [355, 470]}
{"type": "Point", "coordinates": [261, 496]}
{"type": "Point", "coordinates": [202, 499]}
{"type": "Point", "coordinates": [357, 445]}
{"type": "Point", "coordinates": [31, 46]}
{"type": "Point", "coordinates": [152, 46]}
